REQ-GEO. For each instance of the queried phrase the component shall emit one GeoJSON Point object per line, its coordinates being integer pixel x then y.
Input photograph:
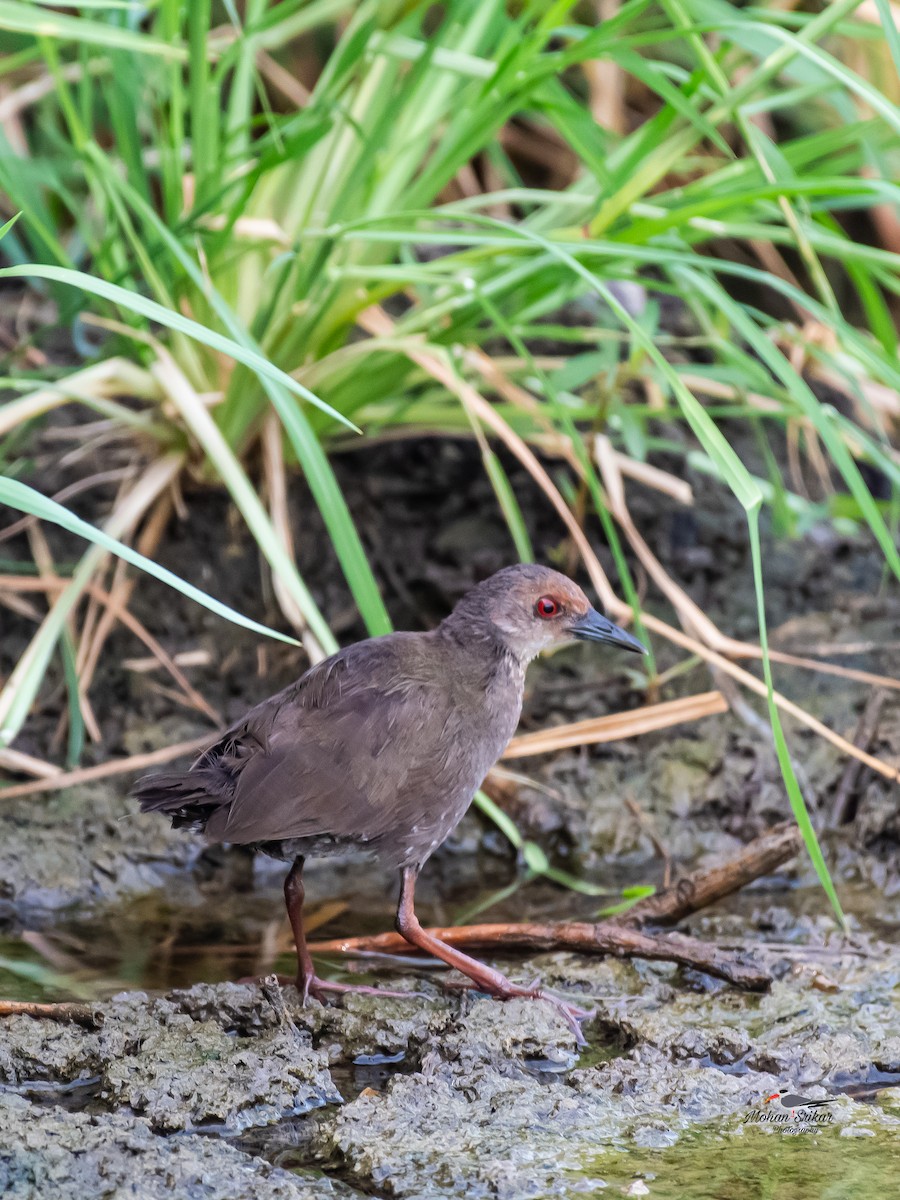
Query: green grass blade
{"type": "Point", "coordinates": [306, 445]}
{"type": "Point", "coordinates": [172, 320]}
{"type": "Point", "coordinates": [795, 795]}
{"type": "Point", "coordinates": [198, 419]}
{"type": "Point", "coordinates": [75, 744]}
{"type": "Point", "coordinates": [25, 499]}
{"type": "Point", "coordinates": [509, 505]}
{"type": "Point", "coordinates": [40, 22]}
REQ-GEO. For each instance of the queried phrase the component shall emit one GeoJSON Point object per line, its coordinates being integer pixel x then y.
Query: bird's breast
{"type": "Point", "coordinates": [439, 764]}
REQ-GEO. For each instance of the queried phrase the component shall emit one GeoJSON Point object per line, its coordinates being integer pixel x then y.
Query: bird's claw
{"type": "Point", "coordinates": [572, 1015]}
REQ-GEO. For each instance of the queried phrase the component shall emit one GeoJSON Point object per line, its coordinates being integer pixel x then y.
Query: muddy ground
{"type": "Point", "coordinates": [209, 1090]}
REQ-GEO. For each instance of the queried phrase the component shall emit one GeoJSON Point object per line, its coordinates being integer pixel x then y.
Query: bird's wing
{"type": "Point", "coordinates": [341, 753]}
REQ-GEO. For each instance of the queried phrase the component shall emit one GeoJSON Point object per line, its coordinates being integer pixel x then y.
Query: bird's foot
{"type": "Point", "coordinates": [507, 990]}
{"type": "Point", "coordinates": [318, 989]}
{"type": "Point", "coordinates": [571, 1014]}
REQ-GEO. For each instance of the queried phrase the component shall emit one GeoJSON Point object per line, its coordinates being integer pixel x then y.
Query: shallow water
{"type": "Point", "coordinates": [182, 934]}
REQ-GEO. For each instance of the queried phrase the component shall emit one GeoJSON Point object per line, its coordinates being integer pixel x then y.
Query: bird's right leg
{"type": "Point", "coordinates": [485, 978]}
{"type": "Point", "coordinates": [308, 982]}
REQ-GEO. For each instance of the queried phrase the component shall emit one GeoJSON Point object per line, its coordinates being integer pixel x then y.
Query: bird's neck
{"type": "Point", "coordinates": [482, 647]}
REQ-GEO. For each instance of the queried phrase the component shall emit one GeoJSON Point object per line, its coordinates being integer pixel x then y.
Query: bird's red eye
{"type": "Point", "coordinates": [546, 608]}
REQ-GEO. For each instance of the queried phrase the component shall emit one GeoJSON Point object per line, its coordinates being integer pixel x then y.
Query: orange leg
{"type": "Point", "coordinates": [485, 978]}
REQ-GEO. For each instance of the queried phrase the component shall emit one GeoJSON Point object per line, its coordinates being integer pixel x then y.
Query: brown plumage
{"type": "Point", "coordinates": [383, 745]}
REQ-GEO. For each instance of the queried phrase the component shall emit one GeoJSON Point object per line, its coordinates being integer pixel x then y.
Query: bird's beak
{"type": "Point", "coordinates": [774, 1096]}
{"type": "Point", "coordinates": [594, 627]}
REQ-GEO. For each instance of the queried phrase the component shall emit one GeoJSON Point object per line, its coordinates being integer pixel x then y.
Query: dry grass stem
{"type": "Point", "coordinates": [116, 766]}
{"type": "Point", "coordinates": [617, 726]}
{"type": "Point", "coordinates": [160, 655]}
{"type": "Point", "coordinates": [25, 764]}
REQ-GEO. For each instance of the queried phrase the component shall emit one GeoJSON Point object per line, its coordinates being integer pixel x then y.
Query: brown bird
{"type": "Point", "coordinates": [383, 745]}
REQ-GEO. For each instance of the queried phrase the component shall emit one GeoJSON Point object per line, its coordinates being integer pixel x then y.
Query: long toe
{"type": "Point", "coordinates": [580, 1014]}
{"type": "Point", "coordinates": [319, 989]}
{"type": "Point", "coordinates": [571, 1015]}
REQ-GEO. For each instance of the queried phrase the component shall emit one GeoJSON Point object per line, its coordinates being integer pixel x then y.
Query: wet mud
{"type": "Point", "coordinates": [459, 1095]}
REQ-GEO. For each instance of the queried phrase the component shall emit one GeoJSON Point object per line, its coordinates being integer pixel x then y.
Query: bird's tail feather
{"type": "Point", "coordinates": [188, 797]}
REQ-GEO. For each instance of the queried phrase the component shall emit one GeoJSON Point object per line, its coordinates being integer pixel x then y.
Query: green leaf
{"type": "Point", "coordinates": [630, 897]}
{"type": "Point", "coordinates": [19, 496]}
{"type": "Point", "coordinates": [172, 320]}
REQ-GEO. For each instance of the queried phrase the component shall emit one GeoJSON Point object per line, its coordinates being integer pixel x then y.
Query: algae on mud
{"type": "Point", "coordinates": [742, 1164]}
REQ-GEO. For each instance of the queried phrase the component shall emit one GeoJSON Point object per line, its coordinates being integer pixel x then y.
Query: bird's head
{"type": "Point", "coordinates": [776, 1095]}
{"type": "Point", "coordinates": [533, 608]}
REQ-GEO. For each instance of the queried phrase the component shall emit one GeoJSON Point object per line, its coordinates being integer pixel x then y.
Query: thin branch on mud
{"type": "Point", "coordinates": [604, 938]}
{"type": "Point", "coordinates": [619, 937]}
{"type": "Point", "coordinates": [702, 888]}
{"type": "Point", "coordinates": [79, 1014]}
{"type": "Point", "coordinates": [863, 738]}
{"type": "Point", "coordinates": [646, 825]}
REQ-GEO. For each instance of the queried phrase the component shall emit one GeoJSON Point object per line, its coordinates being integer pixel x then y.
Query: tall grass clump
{"type": "Point", "coordinates": [303, 222]}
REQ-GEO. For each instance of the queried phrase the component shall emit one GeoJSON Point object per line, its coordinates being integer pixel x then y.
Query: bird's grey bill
{"type": "Point", "coordinates": [594, 627]}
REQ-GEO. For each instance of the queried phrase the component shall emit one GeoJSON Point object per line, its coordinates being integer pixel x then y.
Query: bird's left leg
{"type": "Point", "coordinates": [485, 978]}
{"type": "Point", "coordinates": [293, 899]}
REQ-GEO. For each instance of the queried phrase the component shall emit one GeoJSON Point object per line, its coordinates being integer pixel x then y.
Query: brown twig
{"type": "Point", "coordinates": [693, 892]}
{"type": "Point", "coordinates": [619, 937]}
{"type": "Point", "coordinates": [80, 1014]}
{"type": "Point", "coordinates": [646, 826]}
{"type": "Point", "coordinates": [604, 938]}
{"type": "Point", "coordinates": [863, 738]}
